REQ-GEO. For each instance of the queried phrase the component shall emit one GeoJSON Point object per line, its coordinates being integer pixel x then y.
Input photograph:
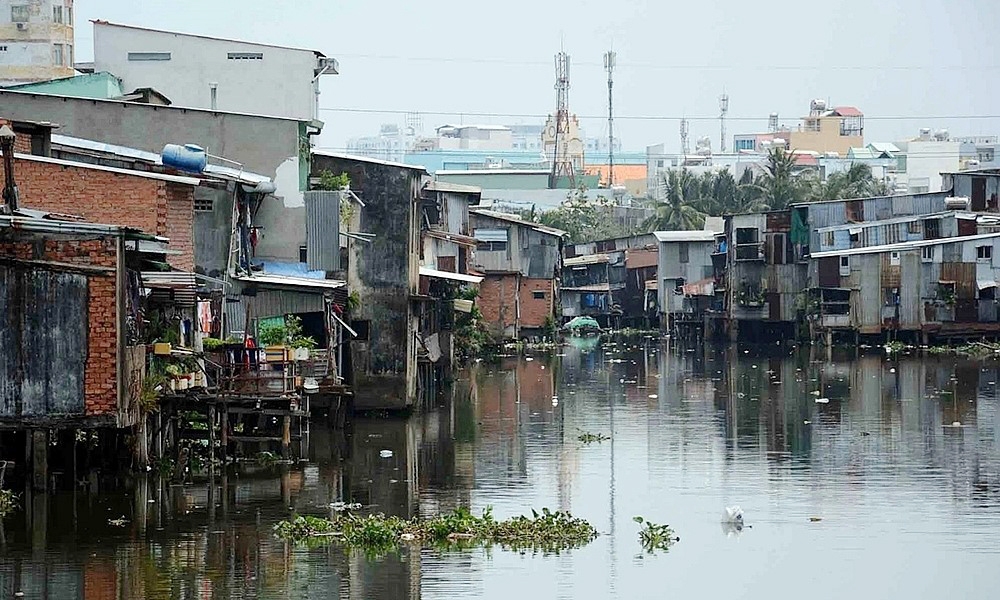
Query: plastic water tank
{"type": "Point", "coordinates": [189, 157]}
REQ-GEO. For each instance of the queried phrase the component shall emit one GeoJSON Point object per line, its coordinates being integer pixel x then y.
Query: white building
{"type": "Point", "coordinates": [474, 137]}
{"type": "Point", "coordinates": [924, 158]}
{"type": "Point", "coordinates": [36, 40]}
{"type": "Point", "coordinates": [205, 72]}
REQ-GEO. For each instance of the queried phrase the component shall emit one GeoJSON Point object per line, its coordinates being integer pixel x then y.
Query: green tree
{"type": "Point", "coordinates": [584, 219]}
{"type": "Point", "coordinates": [781, 184]}
{"type": "Point", "coordinates": [855, 182]}
{"type": "Point", "coordinates": [677, 210]}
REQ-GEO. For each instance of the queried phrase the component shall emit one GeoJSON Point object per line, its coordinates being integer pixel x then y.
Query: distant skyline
{"type": "Point", "coordinates": [906, 64]}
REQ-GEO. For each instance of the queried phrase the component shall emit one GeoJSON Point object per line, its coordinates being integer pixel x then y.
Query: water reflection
{"type": "Point", "coordinates": [898, 463]}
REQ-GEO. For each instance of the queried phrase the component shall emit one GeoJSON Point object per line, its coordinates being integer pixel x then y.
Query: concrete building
{"type": "Point", "coordinates": [521, 263]}
{"type": "Point", "coordinates": [199, 71]}
{"type": "Point", "coordinates": [924, 158]}
{"type": "Point", "coordinates": [685, 278]}
{"type": "Point", "coordinates": [568, 146]}
{"type": "Point", "coordinates": [824, 130]}
{"type": "Point", "coordinates": [284, 159]}
{"type": "Point", "coordinates": [474, 137]}
{"type": "Point", "coordinates": [36, 40]}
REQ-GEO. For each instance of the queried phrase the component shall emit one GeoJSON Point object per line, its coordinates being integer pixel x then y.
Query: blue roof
{"type": "Point", "coordinates": [291, 270]}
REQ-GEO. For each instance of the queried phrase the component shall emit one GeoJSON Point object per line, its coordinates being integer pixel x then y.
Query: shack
{"type": "Point", "coordinates": [685, 278]}
{"type": "Point", "coordinates": [520, 262]}
{"type": "Point", "coordinates": [69, 358]}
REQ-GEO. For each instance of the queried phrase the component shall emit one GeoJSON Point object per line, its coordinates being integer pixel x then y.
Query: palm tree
{"type": "Point", "coordinates": [677, 210]}
{"type": "Point", "coordinates": [780, 184]}
{"type": "Point", "coordinates": [855, 182]}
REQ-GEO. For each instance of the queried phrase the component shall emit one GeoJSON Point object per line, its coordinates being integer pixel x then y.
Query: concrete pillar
{"type": "Point", "coordinates": [39, 442]}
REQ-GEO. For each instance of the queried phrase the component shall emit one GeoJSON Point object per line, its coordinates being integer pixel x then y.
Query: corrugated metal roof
{"type": "Point", "coordinates": [906, 219]}
{"type": "Point", "coordinates": [588, 259]}
{"type": "Point", "coordinates": [848, 111]}
{"type": "Point", "coordinates": [293, 282]}
{"type": "Point", "coordinates": [428, 272]}
{"type": "Point", "coordinates": [493, 172]}
{"type": "Point", "coordinates": [636, 259]}
{"type": "Point", "coordinates": [456, 188]}
{"type": "Point", "coordinates": [705, 287]}
{"type": "Point", "coordinates": [884, 147]}
{"type": "Point", "coordinates": [513, 219]}
{"type": "Point", "coordinates": [904, 246]}
{"type": "Point", "coordinates": [455, 238]}
{"type": "Point", "coordinates": [596, 287]}
{"type": "Point", "coordinates": [693, 235]}
{"type": "Point", "coordinates": [169, 279]}
{"type": "Point", "coordinates": [69, 227]}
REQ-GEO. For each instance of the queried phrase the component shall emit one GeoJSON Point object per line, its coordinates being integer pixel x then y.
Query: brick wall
{"type": "Point", "coordinates": [534, 310]}
{"type": "Point", "coordinates": [100, 380]}
{"type": "Point", "coordinates": [498, 302]}
{"type": "Point", "coordinates": [154, 206]}
{"type": "Point", "coordinates": [22, 143]}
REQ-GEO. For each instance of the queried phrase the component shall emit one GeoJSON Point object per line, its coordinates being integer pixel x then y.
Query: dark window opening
{"type": "Point", "coordinates": [492, 246]}
{"type": "Point", "coordinates": [203, 204]}
{"type": "Point", "coordinates": [932, 229]}
{"type": "Point", "coordinates": [303, 254]}
{"type": "Point", "coordinates": [245, 56]}
{"type": "Point", "coordinates": [363, 329]}
{"type": "Point", "coordinates": [538, 295]}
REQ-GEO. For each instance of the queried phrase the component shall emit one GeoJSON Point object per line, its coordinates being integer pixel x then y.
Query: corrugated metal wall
{"type": "Point", "coordinates": [44, 327]}
{"type": "Point", "coordinates": [323, 230]}
{"type": "Point", "coordinates": [267, 303]}
{"type": "Point", "coordinates": [911, 305]}
{"type": "Point", "coordinates": [866, 300]}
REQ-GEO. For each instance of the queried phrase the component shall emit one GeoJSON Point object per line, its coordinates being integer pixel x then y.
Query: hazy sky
{"type": "Point", "coordinates": [906, 63]}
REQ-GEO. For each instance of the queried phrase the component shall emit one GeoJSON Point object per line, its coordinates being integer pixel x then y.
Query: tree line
{"type": "Point", "coordinates": [687, 198]}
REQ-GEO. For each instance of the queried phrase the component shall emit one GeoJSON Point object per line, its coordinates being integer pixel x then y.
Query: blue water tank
{"type": "Point", "coordinates": [188, 157]}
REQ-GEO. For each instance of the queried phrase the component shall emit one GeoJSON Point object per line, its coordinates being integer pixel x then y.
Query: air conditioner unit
{"type": "Point", "coordinates": [22, 26]}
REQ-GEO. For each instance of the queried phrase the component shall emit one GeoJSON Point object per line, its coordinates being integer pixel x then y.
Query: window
{"type": "Point", "coordinates": [927, 254]}
{"type": "Point", "coordinates": [984, 252]}
{"type": "Point", "coordinates": [491, 240]}
{"type": "Point", "coordinates": [245, 56]}
{"type": "Point", "coordinates": [69, 55]}
{"type": "Point", "coordinates": [57, 54]}
{"type": "Point", "coordinates": [363, 329]}
{"type": "Point", "coordinates": [855, 235]}
{"type": "Point", "coordinates": [203, 203]}
{"type": "Point", "coordinates": [845, 266]}
{"type": "Point", "coordinates": [148, 56]}
{"type": "Point", "coordinates": [19, 13]}
{"type": "Point", "coordinates": [894, 259]}
{"type": "Point", "coordinates": [303, 254]}
{"type": "Point", "coordinates": [683, 254]}
{"type": "Point", "coordinates": [68, 12]}
{"type": "Point", "coordinates": [913, 227]}
{"type": "Point", "coordinates": [538, 295]}
{"type": "Point", "coordinates": [932, 229]}
{"type": "Point", "coordinates": [827, 239]}
{"type": "Point", "coordinates": [57, 14]}
{"type": "Point", "coordinates": [748, 244]}
{"type": "Point", "coordinates": [3, 48]}
{"type": "Point", "coordinates": [659, 164]}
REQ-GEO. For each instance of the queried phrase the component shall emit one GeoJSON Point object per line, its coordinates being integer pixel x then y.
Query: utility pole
{"type": "Point", "coordinates": [10, 187]}
{"type": "Point", "coordinates": [609, 64]}
{"type": "Point", "coordinates": [562, 164]}
{"type": "Point", "coordinates": [685, 147]}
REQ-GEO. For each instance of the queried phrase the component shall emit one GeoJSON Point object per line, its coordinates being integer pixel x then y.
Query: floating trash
{"type": "Point", "coordinates": [385, 453]}
{"type": "Point", "coordinates": [822, 400]}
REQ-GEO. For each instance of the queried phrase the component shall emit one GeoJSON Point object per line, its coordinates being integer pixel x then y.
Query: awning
{"type": "Point", "coordinates": [294, 282]}
{"type": "Point", "coordinates": [985, 284]}
{"type": "Point", "coordinates": [428, 272]}
{"type": "Point", "coordinates": [455, 238]}
{"type": "Point", "coordinates": [169, 280]}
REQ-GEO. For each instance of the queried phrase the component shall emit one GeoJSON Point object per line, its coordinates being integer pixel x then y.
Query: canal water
{"type": "Point", "coordinates": [859, 478]}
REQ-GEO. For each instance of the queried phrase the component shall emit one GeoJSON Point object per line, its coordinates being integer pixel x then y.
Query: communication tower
{"type": "Point", "coordinates": [723, 111]}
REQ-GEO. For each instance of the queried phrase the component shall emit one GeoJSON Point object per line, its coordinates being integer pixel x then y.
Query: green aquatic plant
{"type": "Point", "coordinates": [8, 502]}
{"type": "Point", "coordinates": [378, 534]}
{"type": "Point", "coordinates": [588, 438]}
{"type": "Point", "coordinates": [655, 537]}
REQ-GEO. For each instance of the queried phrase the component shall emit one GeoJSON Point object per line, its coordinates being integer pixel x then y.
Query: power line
{"type": "Point", "coordinates": [464, 113]}
{"type": "Point", "coordinates": [669, 67]}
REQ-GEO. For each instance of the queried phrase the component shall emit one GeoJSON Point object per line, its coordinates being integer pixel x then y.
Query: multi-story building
{"type": "Point", "coordinates": [924, 158]}
{"type": "Point", "coordinates": [199, 71]}
{"type": "Point", "coordinates": [824, 130]}
{"type": "Point", "coordinates": [685, 276]}
{"type": "Point", "coordinates": [36, 40]}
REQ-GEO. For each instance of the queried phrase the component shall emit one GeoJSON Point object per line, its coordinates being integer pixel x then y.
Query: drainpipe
{"type": "Point", "coordinates": [10, 188]}
{"type": "Point", "coordinates": [214, 90]}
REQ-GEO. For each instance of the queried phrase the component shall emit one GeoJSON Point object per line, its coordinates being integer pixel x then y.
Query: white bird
{"type": "Point", "coordinates": [734, 515]}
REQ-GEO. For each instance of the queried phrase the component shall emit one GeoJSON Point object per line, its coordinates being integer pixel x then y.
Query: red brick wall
{"type": "Point", "coordinates": [100, 381]}
{"type": "Point", "coordinates": [498, 301]}
{"type": "Point", "coordinates": [22, 143]}
{"type": "Point", "coordinates": [154, 206]}
{"type": "Point", "coordinates": [534, 311]}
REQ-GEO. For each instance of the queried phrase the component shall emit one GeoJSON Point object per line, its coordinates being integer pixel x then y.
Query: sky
{"type": "Point", "coordinates": [906, 64]}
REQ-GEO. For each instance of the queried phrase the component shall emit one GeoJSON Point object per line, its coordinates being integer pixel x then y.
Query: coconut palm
{"type": "Point", "coordinates": [780, 184]}
{"type": "Point", "coordinates": [677, 210]}
{"type": "Point", "coordinates": [855, 182]}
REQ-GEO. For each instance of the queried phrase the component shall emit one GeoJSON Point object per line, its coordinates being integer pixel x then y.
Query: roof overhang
{"type": "Point", "coordinates": [428, 272]}
{"type": "Point", "coordinates": [285, 281]}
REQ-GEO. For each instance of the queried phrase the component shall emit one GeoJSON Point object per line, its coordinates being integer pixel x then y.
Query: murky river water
{"type": "Point", "coordinates": [901, 463]}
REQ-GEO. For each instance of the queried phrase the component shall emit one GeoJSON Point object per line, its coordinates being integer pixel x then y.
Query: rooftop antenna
{"type": "Point", "coordinates": [685, 147]}
{"type": "Point", "coordinates": [772, 122]}
{"type": "Point", "coordinates": [723, 111]}
{"type": "Point", "coordinates": [609, 64]}
{"type": "Point", "coordinates": [562, 164]}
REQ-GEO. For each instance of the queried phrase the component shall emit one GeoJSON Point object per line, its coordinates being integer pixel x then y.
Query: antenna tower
{"type": "Point", "coordinates": [685, 147]}
{"type": "Point", "coordinates": [562, 164]}
{"type": "Point", "coordinates": [723, 111]}
{"type": "Point", "coordinates": [609, 64]}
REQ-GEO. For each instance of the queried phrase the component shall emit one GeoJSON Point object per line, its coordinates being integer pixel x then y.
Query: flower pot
{"type": "Point", "coordinates": [182, 383]}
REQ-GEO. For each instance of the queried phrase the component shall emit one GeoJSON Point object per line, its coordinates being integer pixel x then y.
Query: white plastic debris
{"type": "Point", "coordinates": [385, 454]}
{"type": "Point", "coordinates": [734, 515]}
{"type": "Point", "coordinates": [822, 400]}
